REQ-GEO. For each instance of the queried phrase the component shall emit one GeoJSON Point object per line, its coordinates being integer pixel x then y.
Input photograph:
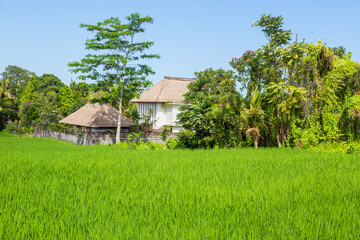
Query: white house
{"type": "Point", "coordinates": [163, 101]}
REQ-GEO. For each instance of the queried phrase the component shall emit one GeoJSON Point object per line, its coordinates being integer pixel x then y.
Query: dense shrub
{"type": "Point", "coordinates": [172, 143]}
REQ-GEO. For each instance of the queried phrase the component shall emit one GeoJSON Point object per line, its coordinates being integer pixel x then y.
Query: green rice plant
{"type": "Point", "coordinates": [55, 190]}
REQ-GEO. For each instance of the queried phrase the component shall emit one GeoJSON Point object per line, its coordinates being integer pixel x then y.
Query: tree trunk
{"type": "Point", "coordinates": [256, 140]}
{"type": "Point", "coordinates": [278, 128]}
{"type": "Point", "coordinates": [118, 129]}
{"type": "Point", "coordinates": [287, 128]}
{"type": "Point", "coordinates": [278, 140]}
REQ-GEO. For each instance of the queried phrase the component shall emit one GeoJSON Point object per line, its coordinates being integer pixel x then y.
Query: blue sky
{"type": "Point", "coordinates": [43, 35]}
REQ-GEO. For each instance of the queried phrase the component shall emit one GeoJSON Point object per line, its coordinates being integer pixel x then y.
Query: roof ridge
{"type": "Point", "coordinates": [179, 78]}
{"type": "Point", "coordinates": [96, 115]}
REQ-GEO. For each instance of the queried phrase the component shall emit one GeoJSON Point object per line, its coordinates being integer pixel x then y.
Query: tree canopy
{"type": "Point", "coordinates": [17, 78]}
{"type": "Point", "coordinates": [293, 94]}
{"type": "Point", "coordinates": [117, 59]}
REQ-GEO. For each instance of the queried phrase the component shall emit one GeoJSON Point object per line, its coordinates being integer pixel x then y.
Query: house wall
{"type": "Point", "coordinates": [166, 114]}
{"type": "Point", "coordinates": [163, 114]}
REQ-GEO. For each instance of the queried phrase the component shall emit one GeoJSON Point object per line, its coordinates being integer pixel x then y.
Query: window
{"type": "Point", "coordinates": [146, 109]}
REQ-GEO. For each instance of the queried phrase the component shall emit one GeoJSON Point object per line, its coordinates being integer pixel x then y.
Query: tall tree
{"type": "Point", "coordinates": [250, 71]}
{"type": "Point", "coordinates": [7, 104]}
{"type": "Point", "coordinates": [17, 78]}
{"type": "Point", "coordinates": [47, 83]}
{"type": "Point", "coordinates": [40, 102]}
{"type": "Point", "coordinates": [285, 99]}
{"type": "Point", "coordinates": [212, 110]}
{"type": "Point", "coordinates": [272, 28]}
{"type": "Point", "coordinates": [66, 100]}
{"type": "Point", "coordinates": [339, 51]}
{"type": "Point", "coordinates": [119, 62]}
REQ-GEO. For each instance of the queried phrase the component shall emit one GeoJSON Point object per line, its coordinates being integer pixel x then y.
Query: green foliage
{"type": "Point", "coordinates": [27, 111]}
{"type": "Point", "coordinates": [145, 121]}
{"type": "Point", "coordinates": [76, 105]}
{"type": "Point", "coordinates": [212, 111]}
{"type": "Point", "coordinates": [172, 143]}
{"type": "Point", "coordinates": [285, 99]}
{"type": "Point", "coordinates": [29, 93]}
{"type": "Point", "coordinates": [83, 90]}
{"type": "Point", "coordinates": [250, 71]}
{"type": "Point", "coordinates": [40, 103]}
{"type": "Point", "coordinates": [188, 139]}
{"type": "Point", "coordinates": [350, 118]}
{"type": "Point", "coordinates": [253, 118]}
{"type": "Point", "coordinates": [295, 94]}
{"type": "Point", "coordinates": [80, 93]}
{"type": "Point", "coordinates": [119, 65]}
{"type": "Point", "coordinates": [272, 28]}
{"type": "Point", "coordinates": [341, 79]}
{"type": "Point", "coordinates": [8, 113]}
{"type": "Point", "coordinates": [8, 106]}
{"type": "Point", "coordinates": [20, 129]}
{"type": "Point", "coordinates": [4, 89]}
{"type": "Point", "coordinates": [303, 137]}
{"type": "Point", "coordinates": [165, 133]}
{"type": "Point", "coordinates": [141, 146]}
{"type": "Point", "coordinates": [132, 113]}
{"type": "Point", "coordinates": [306, 88]}
{"type": "Point", "coordinates": [337, 147]}
{"type": "Point", "coordinates": [49, 112]}
{"type": "Point", "coordinates": [17, 78]}
{"type": "Point", "coordinates": [135, 137]}
{"type": "Point", "coordinates": [136, 142]}
{"type": "Point", "coordinates": [47, 83]}
{"type": "Point", "coordinates": [339, 51]}
{"type": "Point", "coordinates": [66, 99]}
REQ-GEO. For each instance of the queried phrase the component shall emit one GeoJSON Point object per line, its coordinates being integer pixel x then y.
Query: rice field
{"type": "Point", "coordinates": [55, 190]}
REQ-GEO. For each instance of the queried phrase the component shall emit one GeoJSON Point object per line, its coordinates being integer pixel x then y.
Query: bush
{"type": "Point", "coordinates": [354, 147]}
{"type": "Point", "coordinates": [303, 138]}
{"type": "Point", "coordinates": [172, 143]}
{"type": "Point", "coordinates": [18, 128]}
{"type": "Point", "coordinates": [141, 145]}
{"type": "Point", "coordinates": [165, 133]}
{"type": "Point", "coordinates": [134, 140]}
{"type": "Point", "coordinates": [154, 146]}
{"type": "Point", "coordinates": [187, 139]}
{"type": "Point", "coordinates": [11, 127]}
{"type": "Point", "coordinates": [338, 147]}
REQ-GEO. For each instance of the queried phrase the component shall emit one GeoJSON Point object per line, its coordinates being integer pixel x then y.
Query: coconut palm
{"type": "Point", "coordinates": [253, 118]}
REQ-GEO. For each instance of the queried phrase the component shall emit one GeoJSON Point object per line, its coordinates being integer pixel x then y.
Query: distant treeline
{"type": "Point", "coordinates": [291, 94]}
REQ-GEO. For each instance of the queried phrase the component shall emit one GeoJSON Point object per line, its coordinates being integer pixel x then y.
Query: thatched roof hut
{"type": "Point", "coordinates": [94, 115]}
{"type": "Point", "coordinates": [170, 89]}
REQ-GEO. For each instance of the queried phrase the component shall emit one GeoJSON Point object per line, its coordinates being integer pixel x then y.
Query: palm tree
{"type": "Point", "coordinates": [253, 118]}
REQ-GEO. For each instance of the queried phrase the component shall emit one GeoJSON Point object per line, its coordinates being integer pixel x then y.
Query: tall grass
{"type": "Point", "coordinates": [55, 190]}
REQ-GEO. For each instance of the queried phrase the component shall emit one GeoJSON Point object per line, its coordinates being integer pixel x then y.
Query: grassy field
{"type": "Point", "coordinates": [54, 190]}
